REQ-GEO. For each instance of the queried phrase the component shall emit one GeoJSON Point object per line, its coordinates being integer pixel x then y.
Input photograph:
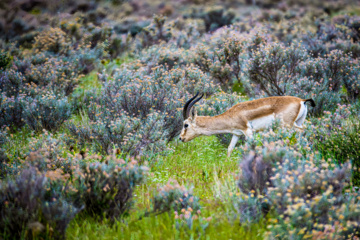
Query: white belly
{"type": "Point", "coordinates": [262, 123]}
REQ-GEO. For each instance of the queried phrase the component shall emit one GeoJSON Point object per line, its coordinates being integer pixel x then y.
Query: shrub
{"type": "Point", "coordinates": [224, 61]}
{"type": "Point", "coordinates": [158, 30]}
{"type": "Point", "coordinates": [27, 208]}
{"type": "Point", "coordinates": [352, 83]}
{"type": "Point", "coordinates": [174, 197]}
{"type": "Point", "coordinates": [12, 82]}
{"type": "Point", "coordinates": [257, 169]}
{"type": "Point", "coordinates": [45, 152]}
{"type": "Point", "coordinates": [169, 56]}
{"type": "Point", "coordinates": [47, 111]}
{"type": "Point", "coordinates": [3, 135]}
{"type": "Point", "coordinates": [339, 34]}
{"type": "Point", "coordinates": [11, 109]}
{"type": "Point", "coordinates": [309, 200]}
{"type": "Point", "coordinates": [274, 66]}
{"type": "Point", "coordinates": [52, 40]}
{"type": "Point", "coordinates": [304, 192]}
{"type": "Point", "coordinates": [336, 137]}
{"type": "Point", "coordinates": [214, 17]}
{"type": "Point", "coordinates": [131, 25]}
{"type": "Point", "coordinates": [98, 35]}
{"type": "Point", "coordinates": [60, 75]}
{"type": "Point", "coordinates": [187, 32]}
{"type": "Point", "coordinates": [106, 189]}
{"type": "Point", "coordinates": [128, 133]}
{"type": "Point", "coordinates": [249, 208]}
{"type": "Point", "coordinates": [86, 59]}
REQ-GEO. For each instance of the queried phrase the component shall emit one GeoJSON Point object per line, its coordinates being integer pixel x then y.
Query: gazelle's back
{"type": "Point", "coordinates": [287, 106]}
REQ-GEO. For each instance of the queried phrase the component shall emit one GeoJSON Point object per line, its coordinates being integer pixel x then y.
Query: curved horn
{"type": "Point", "coordinates": [185, 111]}
{"type": "Point", "coordinates": [192, 104]}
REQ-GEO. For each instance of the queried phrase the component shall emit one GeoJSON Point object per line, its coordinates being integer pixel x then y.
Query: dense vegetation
{"type": "Point", "coordinates": [91, 97]}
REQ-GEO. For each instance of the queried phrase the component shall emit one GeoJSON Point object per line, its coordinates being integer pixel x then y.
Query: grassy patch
{"type": "Point", "coordinates": [202, 164]}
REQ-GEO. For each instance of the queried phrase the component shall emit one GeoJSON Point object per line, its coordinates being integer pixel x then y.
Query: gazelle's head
{"type": "Point", "coordinates": [189, 131]}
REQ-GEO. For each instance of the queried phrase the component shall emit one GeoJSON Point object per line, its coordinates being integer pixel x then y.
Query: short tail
{"type": "Point", "coordinates": [312, 102]}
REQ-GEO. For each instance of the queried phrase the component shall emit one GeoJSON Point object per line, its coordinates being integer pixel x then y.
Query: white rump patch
{"type": "Point", "coordinates": [301, 116]}
{"type": "Point", "coordinates": [262, 123]}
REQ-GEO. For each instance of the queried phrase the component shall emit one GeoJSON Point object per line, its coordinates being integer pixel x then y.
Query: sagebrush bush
{"type": "Point", "coordinates": [186, 32]}
{"type": "Point", "coordinates": [223, 60]}
{"type": "Point", "coordinates": [170, 56]}
{"type": "Point", "coordinates": [45, 152]}
{"type": "Point", "coordinates": [12, 82]}
{"type": "Point", "coordinates": [310, 198]}
{"type": "Point", "coordinates": [249, 208]}
{"type": "Point", "coordinates": [60, 75]}
{"type": "Point", "coordinates": [336, 136]}
{"type": "Point", "coordinates": [106, 189]}
{"type": "Point", "coordinates": [257, 169]}
{"type": "Point", "coordinates": [339, 33]}
{"type": "Point", "coordinates": [53, 40]}
{"type": "Point", "coordinates": [11, 109]}
{"type": "Point", "coordinates": [305, 191]}
{"type": "Point", "coordinates": [274, 66]}
{"type": "Point", "coordinates": [213, 17]}
{"type": "Point", "coordinates": [158, 30]}
{"type": "Point", "coordinates": [3, 157]}
{"type": "Point", "coordinates": [28, 209]}
{"type": "Point", "coordinates": [47, 111]}
{"type": "Point", "coordinates": [174, 197]}
{"type": "Point", "coordinates": [352, 83]}
{"type": "Point", "coordinates": [130, 134]}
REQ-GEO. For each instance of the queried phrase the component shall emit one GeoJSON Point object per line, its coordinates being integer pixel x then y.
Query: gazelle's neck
{"type": "Point", "coordinates": [207, 125]}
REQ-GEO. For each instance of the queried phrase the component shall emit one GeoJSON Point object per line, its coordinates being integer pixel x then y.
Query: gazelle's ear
{"type": "Point", "coordinates": [193, 113]}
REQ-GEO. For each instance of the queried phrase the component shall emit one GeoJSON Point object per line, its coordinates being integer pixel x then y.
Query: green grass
{"type": "Point", "coordinates": [202, 164]}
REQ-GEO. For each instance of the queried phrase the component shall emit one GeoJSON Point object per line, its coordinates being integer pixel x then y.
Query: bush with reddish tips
{"type": "Point", "coordinates": [53, 40]}
{"type": "Point", "coordinates": [11, 109]}
{"type": "Point", "coordinates": [158, 30]}
{"type": "Point", "coordinates": [214, 17]}
{"type": "Point", "coordinates": [27, 208]}
{"type": "Point", "coordinates": [106, 189]}
{"type": "Point", "coordinates": [174, 197]}
{"type": "Point", "coordinates": [310, 198]}
{"type": "Point", "coordinates": [47, 111]}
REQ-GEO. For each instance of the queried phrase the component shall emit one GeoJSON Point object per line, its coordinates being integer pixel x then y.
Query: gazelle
{"type": "Point", "coordinates": [244, 118]}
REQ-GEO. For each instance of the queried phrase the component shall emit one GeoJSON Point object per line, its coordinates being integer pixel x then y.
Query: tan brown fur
{"type": "Point", "coordinates": [238, 116]}
{"type": "Point", "coordinates": [236, 119]}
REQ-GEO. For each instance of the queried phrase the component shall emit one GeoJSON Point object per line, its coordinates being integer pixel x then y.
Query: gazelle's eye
{"type": "Point", "coordinates": [186, 125]}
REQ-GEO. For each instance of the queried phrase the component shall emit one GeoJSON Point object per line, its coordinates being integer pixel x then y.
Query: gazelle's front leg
{"type": "Point", "coordinates": [233, 142]}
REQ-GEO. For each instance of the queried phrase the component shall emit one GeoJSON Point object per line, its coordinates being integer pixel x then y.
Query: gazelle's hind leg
{"type": "Point", "coordinates": [233, 142]}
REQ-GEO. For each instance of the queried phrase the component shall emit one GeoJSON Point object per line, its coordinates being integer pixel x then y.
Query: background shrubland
{"type": "Point", "coordinates": [91, 97]}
